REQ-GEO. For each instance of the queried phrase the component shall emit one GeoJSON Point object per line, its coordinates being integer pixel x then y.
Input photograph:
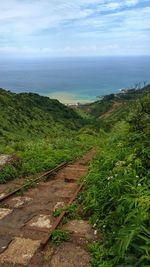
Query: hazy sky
{"type": "Point", "coordinates": [74, 27]}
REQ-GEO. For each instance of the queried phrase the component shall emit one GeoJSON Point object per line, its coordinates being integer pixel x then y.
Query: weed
{"type": "Point", "coordinates": [57, 212]}
{"type": "Point", "coordinates": [59, 236]}
{"type": "Point", "coordinates": [72, 211]}
{"type": "Point", "coordinates": [20, 192]}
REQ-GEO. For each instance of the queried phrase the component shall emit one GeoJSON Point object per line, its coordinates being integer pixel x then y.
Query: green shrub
{"type": "Point", "coordinates": [59, 236]}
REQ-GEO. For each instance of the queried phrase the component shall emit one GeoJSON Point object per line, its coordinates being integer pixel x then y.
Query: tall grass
{"type": "Point", "coordinates": [117, 199]}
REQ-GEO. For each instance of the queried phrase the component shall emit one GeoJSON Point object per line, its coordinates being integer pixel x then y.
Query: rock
{"type": "Point", "coordinates": [80, 228]}
{"type": "Point", "coordinates": [70, 255]}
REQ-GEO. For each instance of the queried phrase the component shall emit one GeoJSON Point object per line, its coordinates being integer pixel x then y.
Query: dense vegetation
{"type": "Point", "coordinates": [42, 133]}
{"type": "Point", "coordinates": [123, 99]}
{"type": "Point", "coordinates": [29, 115]}
{"type": "Point", "coordinates": [117, 197]}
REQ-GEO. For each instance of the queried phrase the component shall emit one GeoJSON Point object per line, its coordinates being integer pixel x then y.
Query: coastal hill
{"type": "Point", "coordinates": [32, 115]}
{"type": "Point", "coordinates": [41, 133]}
{"type": "Point", "coordinates": [112, 102]}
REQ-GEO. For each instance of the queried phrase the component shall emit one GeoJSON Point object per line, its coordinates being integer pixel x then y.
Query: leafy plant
{"type": "Point", "coordinates": [59, 236]}
{"type": "Point", "coordinates": [57, 212]}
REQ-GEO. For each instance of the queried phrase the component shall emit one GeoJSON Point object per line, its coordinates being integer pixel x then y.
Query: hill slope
{"type": "Point", "coordinates": [108, 104]}
{"type": "Point", "coordinates": [30, 115]}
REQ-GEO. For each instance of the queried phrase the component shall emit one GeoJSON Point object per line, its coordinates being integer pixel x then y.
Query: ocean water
{"type": "Point", "coordinates": [74, 79]}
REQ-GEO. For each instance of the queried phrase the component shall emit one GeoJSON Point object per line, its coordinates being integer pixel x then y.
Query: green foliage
{"type": "Point", "coordinates": [123, 102]}
{"type": "Point", "coordinates": [7, 173]}
{"type": "Point", "coordinates": [41, 132]}
{"type": "Point", "coordinates": [43, 154]}
{"type": "Point", "coordinates": [117, 198]}
{"type": "Point", "coordinates": [59, 236]}
{"type": "Point", "coordinates": [29, 115]}
{"type": "Point", "coordinates": [57, 212]}
{"type": "Point", "coordinates": [99, 255]}
{"type": "Point", "coordinates": [72, 211]}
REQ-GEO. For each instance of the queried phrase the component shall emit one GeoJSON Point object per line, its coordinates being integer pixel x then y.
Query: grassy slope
{"type": "Point", "coordinates": [31, 115]}
{"type": "Point", "coordinates": [100, 107]}
{"type": "Point", "coordinates": [117, 197]}
{"type": "Point", "coordinates": [41, 131]}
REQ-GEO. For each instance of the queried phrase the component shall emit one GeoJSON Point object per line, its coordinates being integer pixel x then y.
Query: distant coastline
{"type": "Point", "coordinates": [74, 80]}
{"type": "Point", "coordinates": [70, 98]}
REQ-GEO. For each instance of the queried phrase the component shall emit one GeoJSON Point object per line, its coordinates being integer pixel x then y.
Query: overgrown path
{"type": "Point", "coordinates": [25, 221]}
{"type": "Point", "coordinates": [114, 107]}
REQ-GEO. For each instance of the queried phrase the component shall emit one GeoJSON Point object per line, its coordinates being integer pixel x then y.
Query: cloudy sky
{"type": "Point", "coordinates": [74, 27]}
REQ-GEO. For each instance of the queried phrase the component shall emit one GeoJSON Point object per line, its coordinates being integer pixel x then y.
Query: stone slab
{"type": "Point", "coordinates": [70, 255]}
{"type": "Point", "coordinates": [40, 221]}
{"type": "Point", "coordinates": [2, 195]}
{"type": "Point", "coordinates": [4, 242]}
{"type": "Point", "coordinates": [4, 159]}
{"type": "Point", "coordinates": [20, 251]}
{"type": "Point", "coordinates": [16, 219]}
{"type": "Point", "coordinates": [80, 228]}
{"type": "Point", "coordinates": [4, 212]}
{"type": "Point", "coordinates": [17, 202]}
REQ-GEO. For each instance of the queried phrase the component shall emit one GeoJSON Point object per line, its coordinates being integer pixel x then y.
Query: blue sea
{"type": "Point", "coordinates": [74, 79]}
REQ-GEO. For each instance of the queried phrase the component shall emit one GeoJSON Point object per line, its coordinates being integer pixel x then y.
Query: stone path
{"type": "Point", "coordinates": [73, 253]}
{"type": "Point", "coordinates": [25, 221]}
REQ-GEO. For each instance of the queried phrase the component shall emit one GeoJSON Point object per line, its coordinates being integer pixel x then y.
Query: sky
{"type": "Point", "coordinates": [60, 28]}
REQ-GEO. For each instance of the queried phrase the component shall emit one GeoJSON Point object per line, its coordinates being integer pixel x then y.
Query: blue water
{"type": "Point", "coordinates": [85, 78]}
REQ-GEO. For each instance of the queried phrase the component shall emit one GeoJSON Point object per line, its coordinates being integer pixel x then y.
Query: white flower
{"type": "Point", "coordinates": [104, 226]}
{"type": "Point", "coordinates": [95, 232]}
{"type": "Point", "coordinates": [139, 184]}
{"type": "Point", "coordinates": [137, 176]}
{"type": "Point", "coordinates": [111, 177]}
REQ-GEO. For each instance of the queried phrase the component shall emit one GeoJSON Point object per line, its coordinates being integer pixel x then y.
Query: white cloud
{"type": "Point", "coordinates": [62, 26]}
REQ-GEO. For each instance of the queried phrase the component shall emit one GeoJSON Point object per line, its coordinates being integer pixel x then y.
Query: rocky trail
{"type": "Point", "coordinates": [26, 221]}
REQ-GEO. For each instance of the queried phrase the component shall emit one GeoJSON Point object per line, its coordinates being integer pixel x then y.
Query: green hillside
{"type": "Point", "coordinates": [42, 133]}
{"type": "Point", "coordinates": [31, 115]}
{"type": "Point", "coordinates": [106, 103]}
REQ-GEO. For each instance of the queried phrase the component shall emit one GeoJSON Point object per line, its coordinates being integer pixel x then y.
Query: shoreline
{"type": "Point", "coordinates": [71, 99]}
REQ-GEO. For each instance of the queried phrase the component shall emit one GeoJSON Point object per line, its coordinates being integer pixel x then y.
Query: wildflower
{"type": "Point", "coordinates": [111, 177]}
{"type": "Point", "coordinates": [137, 176]}
{"type": "Point", "coordinates": [94, 225]}
{"type": "Point", "coordinates": [95, 232]}
{"type": "Point", "coordinates": [104, 226]}
{"type": "Point", "coordinates": [139, 184]}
